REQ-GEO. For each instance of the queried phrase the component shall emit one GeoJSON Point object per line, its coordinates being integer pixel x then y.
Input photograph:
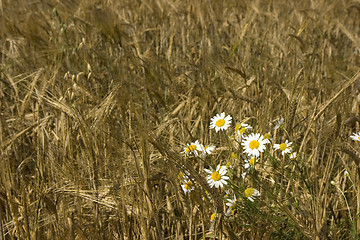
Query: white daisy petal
{"type": "Point", "coordinates": [242, 128]}
{"type": "Point", "coordinates": [279, 123]}
{"type": "Point", "coordinates": [284, 147]}
{"type": "Point", "coordinates": [194, 148]}
{"type": "Point", "coordinates": [220, 122]}
{"type": "Point", "coordinates": [223, 170]}
{"type": "Point", "coordinates": [250, 193]}
{"type": "Point", "coordinates": [292, 155]}
{"type": "Point", "coordinates": [250, 163]}
{"type": "Point", "coordinates": [231, 201]}
{"type": "Point", "coordinates": [254, 144]}
{"type": "Point", "coordinates": [225, 177]}
{"type": "Point", "coordinates": [207, 150]}
{"type": "Point", "coordinates": [187, 187]}
{"type": "Point", "coordinates": [188, 183]}
{"type": "Point", "coordinates": [217, 178]}
{"type": "Point", "coordinates": [355, 136]}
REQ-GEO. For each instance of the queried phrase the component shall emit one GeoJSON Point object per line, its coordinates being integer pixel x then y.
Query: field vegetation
{"type": "Point", "coordinates": [101, 100]}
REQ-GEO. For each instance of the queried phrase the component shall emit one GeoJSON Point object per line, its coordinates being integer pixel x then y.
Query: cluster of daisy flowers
{"type": "Point", "coordinates": [197, 149]}
{"type": "Point", "coordinates": [250, 148]}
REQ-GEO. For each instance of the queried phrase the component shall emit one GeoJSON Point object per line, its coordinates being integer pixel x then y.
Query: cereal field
{"type": "Point", "coordinates": [169, 119]}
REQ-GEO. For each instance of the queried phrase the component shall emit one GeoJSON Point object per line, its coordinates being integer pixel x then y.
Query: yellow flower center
{"type": "Point", "coordinates": [188, 185]}
{"type": "Point", "coordinates": [215, 176]}
{"type": "Point", "coordinates": [242, 130]}
{"type": "Point", "coordinates": [213, 216]}
{"type": "Point", "coordinates": [249, 192]}
{"type": "Point", "coordinates": [282, 146]}
{"type": "Point", "coordinates": [359, 138]}
{"type": "Point", "coordinates": [190, 148]}
{"type": "Point", "coordinates": [254, 144]}
{"type": "Point", "coordinates": [239, 128]}
{"type": "Point", "coordinates": [267, 135]}
{"type": "Point", "coordinates": [220, 122]}
{"type": "Point", "coordinates": [252, 161]}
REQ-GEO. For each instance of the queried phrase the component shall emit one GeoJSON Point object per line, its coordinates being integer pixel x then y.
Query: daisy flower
{"type": "Point", "coordinates": [188, 186]}
{"type": "Point", "coordinates": [207, 150]}
{"type": "Point", "coordinates": [254, 144]}
{"type": "Point", "coordinates": [241, 128]}
{"type": "Point", "coordinates": [220, 122]}
{"type": "Point", "coordinates": [250, 163]}
{"type": "Point", "coordinates": [217, 178]}
{"type": "Point", "coordinates": [267, 136]}
{"type": "Point", "coordinates": [250, 193]}
{"type": "Point", "coordinates": [355, 136]}
{"type": "Point", "coordinates": [193, 148]}
{"type": "Point", "coordinates": [231, 201]}
{"type": "Point", "coordinates": [212, 221]}
{"type": "Point", "coordinates": [284, 147]}
{"type": "Point", "coordinates": [213, 217]}
{"type": "Point", "coordinates": [279, 123]}
{"type": "Point", "coordinates": [292, 155]}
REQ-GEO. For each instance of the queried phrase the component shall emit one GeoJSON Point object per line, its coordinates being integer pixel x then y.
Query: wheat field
{"type": "Point", "coordinates": [102, 100]}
